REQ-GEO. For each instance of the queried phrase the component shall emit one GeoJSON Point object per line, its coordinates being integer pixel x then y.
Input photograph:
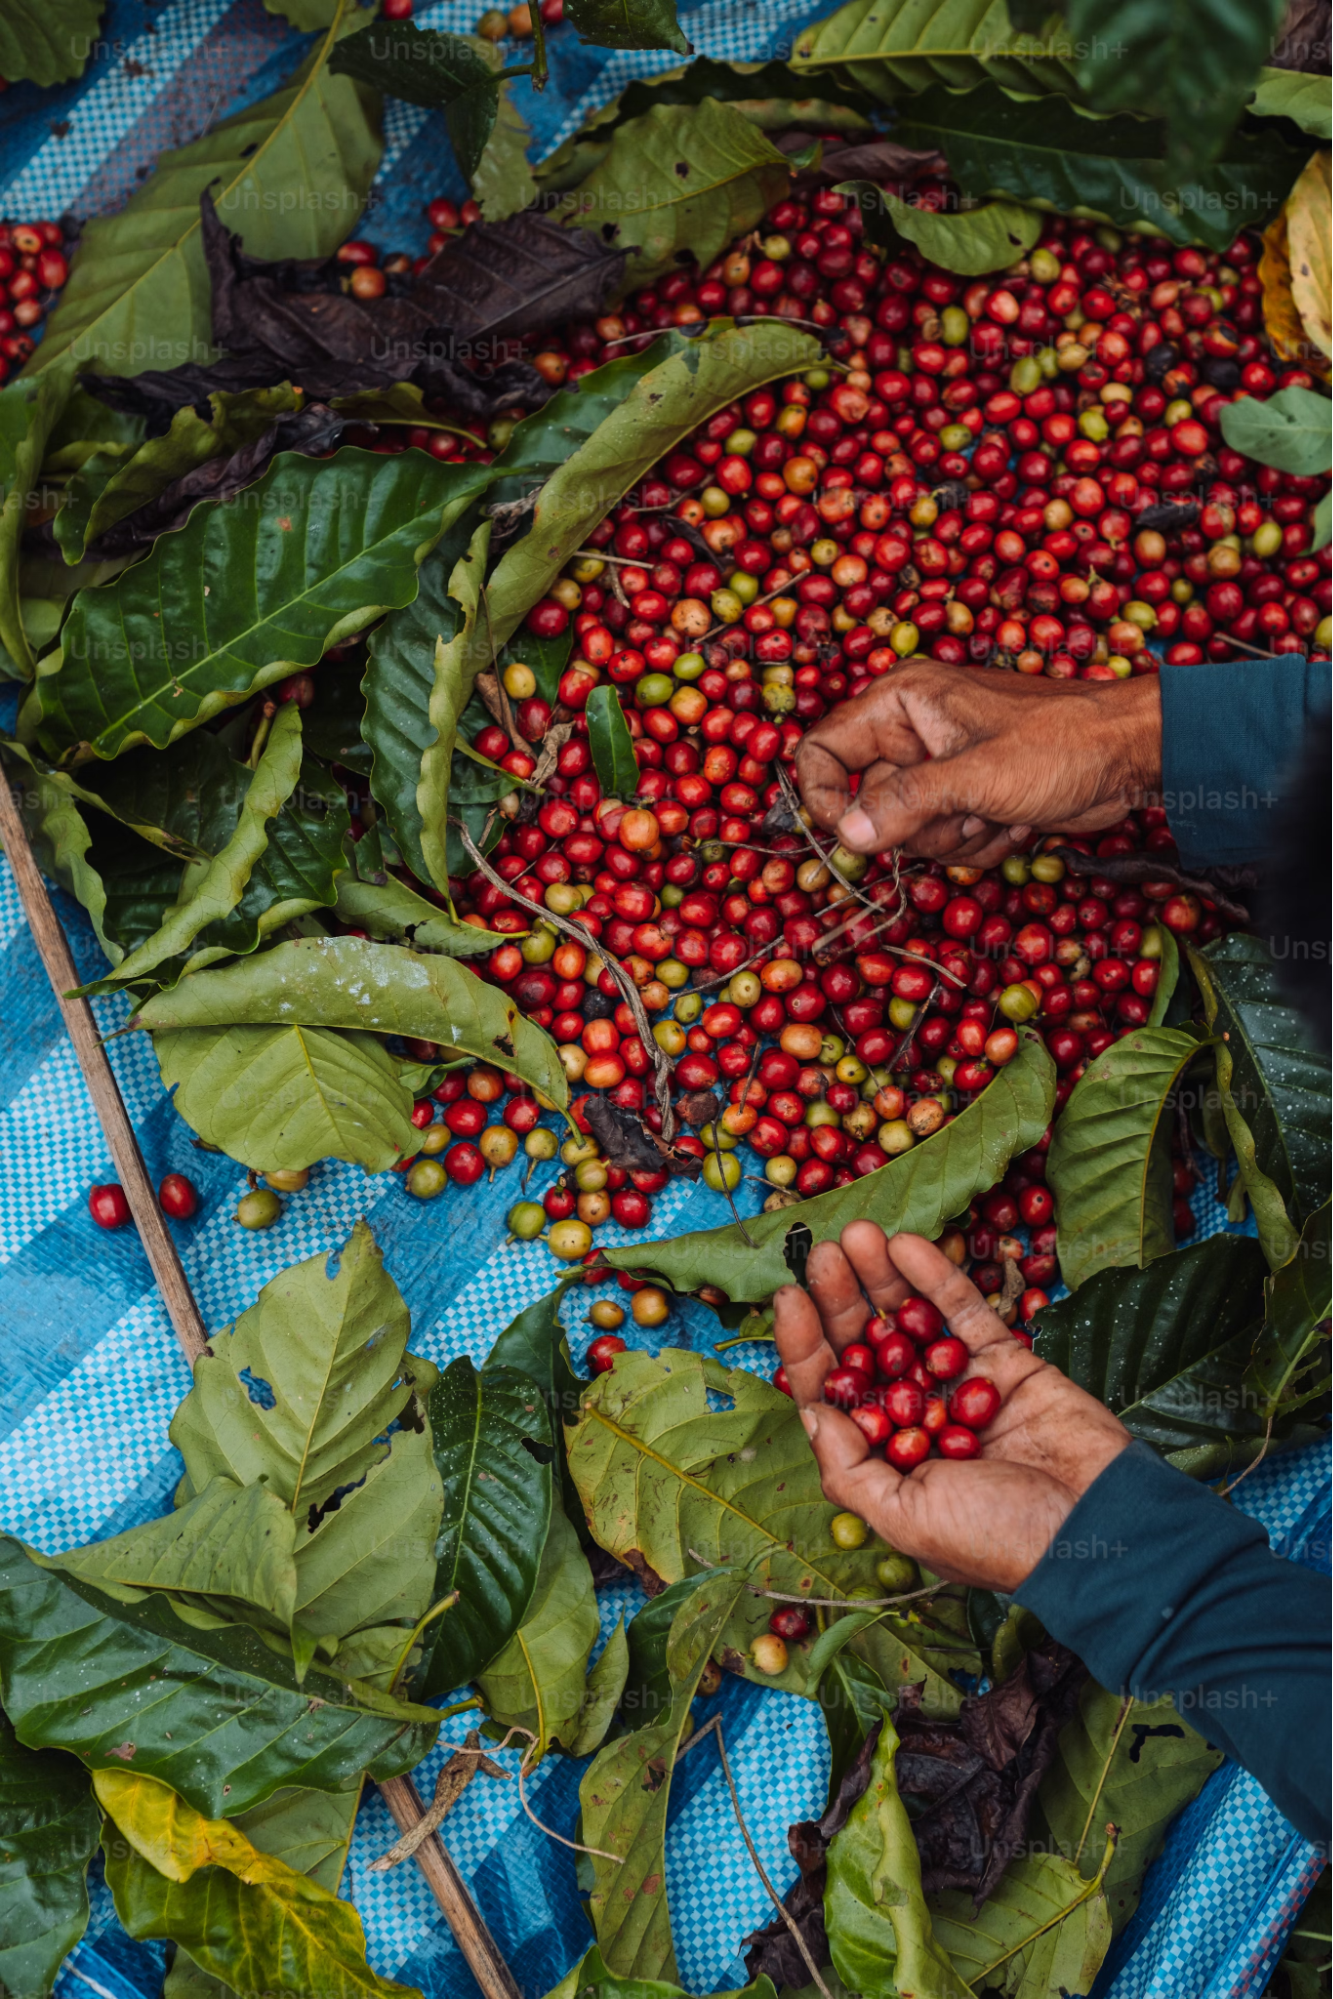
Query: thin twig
{"type": "Point", "coordinates": [468, 1758]}
{"type": "Point", "coordinates": [660, 1060]}
{"type": "Point", "coordinates": [825, 1602]}
{"type": "Point", "coordinates": [716, 1725]}
{"type": "Point", "coordinates": [1125, 1705]}
{"type": "Point", "coordinates": [1225, 1491]}
{"type": "Point", "coordinates": [550, 1831]}
{"type": "Point", "coordinates": [730, 1197]}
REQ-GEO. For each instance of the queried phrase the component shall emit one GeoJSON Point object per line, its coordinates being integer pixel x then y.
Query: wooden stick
{"type": "Point", "coordinates": [399, 1793]}
{"type": "Point", "coordinates": [122, 1144]}
{"type": "Point", "coordinates": [461, 1913]}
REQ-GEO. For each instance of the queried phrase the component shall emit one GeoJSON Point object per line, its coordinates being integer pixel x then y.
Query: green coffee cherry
{"type": "Point", "coordinates": [526, 1219]}
{"type": "Point", "coordinates": [427, 1179]}
{"type": "Point", "coordinates": [258, 1209]}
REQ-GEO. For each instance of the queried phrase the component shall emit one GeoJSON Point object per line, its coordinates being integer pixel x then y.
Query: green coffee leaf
{"type": "Point", "coordinates": [228, 1724]}
{"type": "Point", "coordinates": [679, 178]}
{"type": "Point", "coordinates": [970, 240]}
{"type": "Point", "coordinates": [241, 596]}
{"type": "Point", "coordinates": [1128, 1764]}
{"type": "Point", "coordinates": [310, 1830]}
{"type": "Point", "coordinates": [878, 1923]}
{"type": "Point", "coordinates": [1168, 980]}
{"type": "Point", "coordinates": [216, 887]}
{"type": "Point", "coordinates": [457, 662]}
{"type": "Point", "coordinates": [1049, 154]}
{"type": "Point", "coordinates": [1290, 93]}
{"type": "Point", "coordinates": [629, 24]}
{"type": "Point", "coordinates": [49, 1825]}
{"type": "Point", "coordinates": [1193, 67]}
{"type": "Point", "coordinates": [1290, 430]}
{"type": "Point", "coordinates": [893, 47]}
{"type": "Point", "coordinates": [919, 1191]}
{"type": "Point", "coordinates": [282, 1098]}
{"type": "Point", "coordinates": [611, 744]}
{"type": "Point", "coordinates": [492, 1443]}
{"type": "Point", "coordinates": [603, 1693]}
{"type": "Point", "coordinates": [537, 1680]}
{"type": "Point", "coordinates": [138, 294]}
{"type": "Point", "coordinates": [1109, 1164]}
{"type": "Point", "coordinates": [1167, 1347]}
{"type": "Point", "coordinates": [300, 1396]}
{"type": "Point", "coordinates": [396, 914]}
{"type": "Point", "coordinates": [47, 41]}
{"type": "Point", "coordinates": [61, 840]}
{"type": "Point", "coordinates": [503, 182]}
{"type": "Point", "coordinates": [1289, 1361]}
{"type": "Point", "coordinates": [626, 1792]}
{"type": "Point", "coordinates": [1039, 1929]}
{"type": "Point", "coordinates": [535, 1344]}
{"type": "Point", "coordinates": [349, 982]}
{"type": "Point", "coordinates": [29, 412]}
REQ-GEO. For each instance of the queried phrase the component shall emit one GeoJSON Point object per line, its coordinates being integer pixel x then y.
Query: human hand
{"type": "Point", "coordinates": [986, 1520]}
{"type": "Point", "coordinates": [962, 765]}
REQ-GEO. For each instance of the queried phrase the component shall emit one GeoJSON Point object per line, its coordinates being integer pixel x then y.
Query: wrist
{"type": "Point", "coordinates": [1129, 735]}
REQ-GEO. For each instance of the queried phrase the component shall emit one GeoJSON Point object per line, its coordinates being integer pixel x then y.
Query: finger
{"type": "Point", "coordinates": [866, 1248]}
{"type": "Point", "coordinates": [930, 1273]}
{"type": "Point", "coordinates": [823, 781]}
{"type": "Point", "coordinates": [837, 1295]}
{"type": "Point", "coordinates": [905, 801]}
{"type": "Point", "coordinates": [849, 1475]}
{"type": "Point", "coordinates": [802, 1347]}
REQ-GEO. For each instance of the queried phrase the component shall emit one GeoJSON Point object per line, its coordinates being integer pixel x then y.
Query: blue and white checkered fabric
{"type": "Point", "coordinates": [91, 1372]}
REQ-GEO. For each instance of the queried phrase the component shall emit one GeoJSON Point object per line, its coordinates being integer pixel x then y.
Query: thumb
{"type": "Point", "coordinates": [895, 802]}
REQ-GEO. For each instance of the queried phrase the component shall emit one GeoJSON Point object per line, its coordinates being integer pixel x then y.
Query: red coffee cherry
{"type": "Point", "coordinates": [974, 1402]}
{"type": "Point", "coordinates": [603, 1350]}
{"type": "Point", "coordinates": [108, 1206]}
{"type": "Point", "coordinates": [177, 1197]}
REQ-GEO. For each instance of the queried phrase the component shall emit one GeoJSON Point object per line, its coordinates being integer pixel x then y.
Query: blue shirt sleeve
{"type": "Point", "coordinates": [1231, 734]}
{"type": "Point", "coordinates": [1162, 1588]}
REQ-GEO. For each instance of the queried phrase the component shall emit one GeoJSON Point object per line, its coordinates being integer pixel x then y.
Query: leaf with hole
{"type": "Point", "coordinates": [1167, 1347]}
{"type": "Point", "coordinates": [1129, 1763]}
{"type": "Point", "coordinates": [349, 982]}
{"type": "Point", "coordinates": [491, 1436]}
{"type": "Point", "coordinates": [244, 1916]}
{"type": "Point", "coordinates": [893, 47]}
{"type": "Point", "coordinates": [629, 24]}
{"type": "Point", "coordinates": [1109, 1164]}
{"type": "Point", "coordinates": [626, 1792]}
{"type": "Point", "coordinates": [920, 1191]}
{"type": "Point", "coordinates": [241, 596]}
{"type": "Point", "coordinates": [681, 177]}
{"type": "Point", "coordinates": [1193, 67]}
{"type": "Point", "coordinates": [1289, 430]}
{"type": "Point", "coordinates": [228, 1723]}
{"type": "Point", "coordinates": [138, 286]}
{"type": "Point", "coordinates": [49, 1825]}
{"type": "Point", "coordinates": [537, 1681]}
{"type": "Point", "coordinates": [969, 240]}
{"type": "Point", "coordinates": [1050, 155]}
{"type": "Point", "coordinates": [668, 1481]}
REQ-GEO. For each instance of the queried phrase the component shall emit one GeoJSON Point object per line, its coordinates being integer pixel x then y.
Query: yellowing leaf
{"type": "Point", "coordinates": [1309, 220]}
{"type": "Point", "coordinates": [173, 1835]}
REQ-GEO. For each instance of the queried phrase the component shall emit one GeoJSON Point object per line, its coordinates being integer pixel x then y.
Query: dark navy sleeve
{"type": "Point", "coordinates": [1163, 1588]}
{"type": "Point", "coordinates": [1231, 735]}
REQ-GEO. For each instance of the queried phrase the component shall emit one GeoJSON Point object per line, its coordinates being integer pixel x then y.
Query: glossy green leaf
{"type": "Point", "coordinates": [536, 1345]}
{"type": "Point", "coordinates": [1128, 1764]}
{"type": "Point", "coordinates": [1167, 1347]}
{"type": "Point", "coordinates": [1290, 1359]}
{"type": "Point", "coordinates": [502, 182]}
{"type": "Point", "coordinates": [890, 47]}
{"type": "Point", "coordinates": [1193, 66]}
{"type": "Point", "coordinates": [1289, 430]}
{"type": "Point", "coordinates": [396, 914]}
{"type": "Point", "coordinates": [1039, 1931]}
{"type": "Point", "coordinates": [286, 1097]}
{"type": "Point", "coordinates": [603, 1693]}
{"type": "Point", "coordinates": [227, 1724]}
{"type": "Point", "coordinates": [632, 430]}
{"type": "Point", "coordinates": [243, 1916]}
{"type": "Point", "coordinates": [1290, 93]}
{"type": "Point", "coordinates": [679, 178]}
{"type": "Point", "coordinates": [47, 41]}
{"type": "Point", "coordinates": [969, 240]}
{"type": "Point", "coordinates": [138, 294]}
{"type": "Point", "coordinates": [229, 1542]}
{"type": "Point", "coordinates": [300, 1395]}
{"type": "Point", "coordinates": [626, 1792]}
{"type": "Point", "coordinates": [611, 744]}
{"type": "Point", "coordinates": [667, 1483]}
{"type": "Point", "coordinates": [878, 1923]}
{"type": "Point", "coordinates": [1278, 1081]}
{"type": "Point", "coordinates": [29, 412]}
{"type": "Point", "coordinates": [852, 1699]}
{"type": "Point", "coordinates": [456, 74]}
{"type": "Point", "coordinates": [537, 1680]}
{"type": "Point", "coordinates": [629, 24]}
{"type": "Point", "coordinates": [59, 836]}
{"type": "Point", "coordinates": [400, 683]}
{"type": "Point", "coordinates": [333, 723]}
{"type": "Point", "coordinates": [49, 1824]}
{"type": "Point", "coordinates": [497, 1512]}
{"type": "Point", "coordinates": [1168, 980]}
{"type": "Point", "coordinates": [648, 1688]}
{"type": "Point", "coordinates": [919, 1191]}
{"type": "Point", "coordinates": [1323, 523]}
{"type": "Point", "coordinates": [1049, 154]}
{"type": "Point", "coordinates": [457, 661]}
{"type": "Point", "coordinates": [242, 595]}
{"type": "Point", "coordinates": [1109, 1164]}
{"type": "Point", "coordinates": [348, 982]}
{"type": "Point", "coordinates": [215, 889]}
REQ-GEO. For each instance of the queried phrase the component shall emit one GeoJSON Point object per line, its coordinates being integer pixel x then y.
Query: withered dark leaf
{"type": "Point", "coordinates": [631, 1147]}
{"type": "Point", "coordinates": [863, 159]}
{"type": "Point", "coordinates": [1212, 882]}
{"type": "Point", "coordinates": [499, 279]}
{"type": "Point", "coordinates": [698, 1107]}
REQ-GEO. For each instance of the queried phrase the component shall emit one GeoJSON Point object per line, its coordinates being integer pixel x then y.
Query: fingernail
{"type": "Point", "coordinates": [972, 825]}
{"type": "Point", "coordinates": [810, 1419]}
{"type": "Point", "coordinates": [857, 828]}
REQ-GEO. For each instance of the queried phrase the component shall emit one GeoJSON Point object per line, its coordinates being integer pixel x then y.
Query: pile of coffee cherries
{"type": "Point", "coordinates": [1022, 473]}
{"type": "Point", "coordinates": [34, 264]}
